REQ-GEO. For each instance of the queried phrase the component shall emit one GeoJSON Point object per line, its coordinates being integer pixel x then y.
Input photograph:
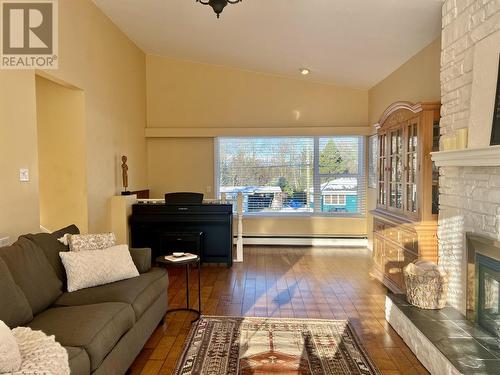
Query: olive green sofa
{"type": "Point", "coordinates": [103, 328]}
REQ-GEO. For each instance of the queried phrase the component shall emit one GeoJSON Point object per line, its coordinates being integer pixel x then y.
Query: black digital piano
{"type": "Point", "coordinates": [203, 228]}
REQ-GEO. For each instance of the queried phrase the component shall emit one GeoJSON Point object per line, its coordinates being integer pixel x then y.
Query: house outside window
{"type": "Point", "coordinates": [334, 200]}
{"type": "Point", "coordinates": [293, 175]}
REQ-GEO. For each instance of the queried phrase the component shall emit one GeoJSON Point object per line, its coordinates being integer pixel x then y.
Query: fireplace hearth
{"type": "Point", "coordinates": [446, 341]}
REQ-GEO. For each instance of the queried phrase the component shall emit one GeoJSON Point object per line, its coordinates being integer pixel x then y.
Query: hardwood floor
{"type": "Point", "coordinates": [285, 282]}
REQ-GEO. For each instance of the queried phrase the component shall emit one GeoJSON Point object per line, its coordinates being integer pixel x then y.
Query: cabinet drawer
{"type": "Point", "coordinates": [393, 234]}
{"type": "Point", "coordinates": [379, 227]}
{"type": "Point", "coordinates": [378, 251]}
{"type": "Point", "coordinates": [410, 241]}
{"type": "Point", "coordinates": [394, 260]}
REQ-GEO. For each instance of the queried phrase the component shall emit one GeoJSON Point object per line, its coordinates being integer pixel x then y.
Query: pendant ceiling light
{"type": "Point", "coordinates": [218, 5]}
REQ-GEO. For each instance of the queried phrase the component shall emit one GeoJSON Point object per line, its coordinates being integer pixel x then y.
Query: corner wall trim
{"type": "Point", "coordinates": [45, 230]}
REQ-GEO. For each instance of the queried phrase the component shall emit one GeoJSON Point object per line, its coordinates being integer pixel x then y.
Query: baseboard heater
{"type": "Point", "coordinates": [336, 241]}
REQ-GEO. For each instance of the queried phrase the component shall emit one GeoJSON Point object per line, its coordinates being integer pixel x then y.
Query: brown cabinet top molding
{"type": "Point", "coordinates": [399, 107]}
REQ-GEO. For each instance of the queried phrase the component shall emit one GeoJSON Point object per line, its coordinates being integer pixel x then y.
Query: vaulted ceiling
{"type": "Point", "coordinates": [353, 43]}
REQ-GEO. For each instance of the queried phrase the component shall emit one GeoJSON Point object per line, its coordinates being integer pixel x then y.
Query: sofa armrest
{"type": "Point", "coordinates": [142, 259]}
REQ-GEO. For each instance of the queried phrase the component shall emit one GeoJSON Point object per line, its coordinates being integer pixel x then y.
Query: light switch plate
{"type": "Point", "coordinates": [24, 174]}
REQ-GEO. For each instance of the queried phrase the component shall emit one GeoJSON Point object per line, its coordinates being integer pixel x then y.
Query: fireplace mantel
{"type": "Point", "coordinates": [475, 157]}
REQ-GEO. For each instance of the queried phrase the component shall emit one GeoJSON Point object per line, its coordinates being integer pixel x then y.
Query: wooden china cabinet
{"type": "Point", "coordinates": [405, 220]}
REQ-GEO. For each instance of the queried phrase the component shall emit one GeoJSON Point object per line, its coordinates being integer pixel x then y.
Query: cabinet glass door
{"type": "Point", "coordinates": [411, 167]}
{"type": "Point", "coordinates": [396, 169]}
{"type": "Point", "coordinates": [381, 171]}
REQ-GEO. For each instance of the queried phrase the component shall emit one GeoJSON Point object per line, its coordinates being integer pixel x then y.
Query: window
{"type": "Point", "coordinates": [293, 175]}
{"type": "Point", "coordinates": [336, 200]}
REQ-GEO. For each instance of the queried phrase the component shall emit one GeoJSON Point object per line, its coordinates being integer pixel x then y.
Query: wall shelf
{"type": "Point", "coordinates": [475, 157]}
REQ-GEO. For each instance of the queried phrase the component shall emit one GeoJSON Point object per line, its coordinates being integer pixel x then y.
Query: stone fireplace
{"type": "Point", "coordinates": [469, 202]}
{"type": "Point", "coordinates": [483, 282]}
{"type": "Point", "coordinates": [445, 341]}
{"type": "Point", "coordinates": [469, 178]}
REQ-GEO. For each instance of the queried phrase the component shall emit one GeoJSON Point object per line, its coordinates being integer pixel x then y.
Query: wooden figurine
{"type": "Point", "coordinates": [124, 175]}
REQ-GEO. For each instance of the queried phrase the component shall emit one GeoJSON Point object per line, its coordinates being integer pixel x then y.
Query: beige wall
{"type": "Point", "coordinates": [191, 96]}
{"type": "Point", "coordinates": [18, 149]}
{"type": "Point", "coordinates": [297, 226]}
{"type": "Point", "coordinates": [415, 81]}
{"type": "Point", "coordinates": [187, 94]}
{"type": "Point", "coordinates": [181, 164]}
{"type": "Point", "coordinates": [61, 155]}
{"type": "Point", "coordinates": [96, 57]}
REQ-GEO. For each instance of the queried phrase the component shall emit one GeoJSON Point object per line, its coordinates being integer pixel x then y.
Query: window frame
{"type": "Point", "coordinates": [316, 209]}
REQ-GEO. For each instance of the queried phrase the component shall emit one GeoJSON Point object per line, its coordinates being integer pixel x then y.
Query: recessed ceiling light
{"type": "Point", "coordinates": [304, 71]}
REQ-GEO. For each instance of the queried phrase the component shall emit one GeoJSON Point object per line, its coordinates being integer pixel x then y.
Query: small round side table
{"type": "Point", "coordinates": [165, 262]}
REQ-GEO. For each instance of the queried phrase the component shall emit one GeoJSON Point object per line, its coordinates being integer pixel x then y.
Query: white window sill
{"type": "Point", "coordinates": [287, 215]}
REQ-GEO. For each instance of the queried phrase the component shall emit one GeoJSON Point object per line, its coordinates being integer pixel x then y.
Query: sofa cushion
{"type": "Point", "coordinates": [15, 309]}
{"type": "Point", "coordinates": [79, 361]}
{"type": "Point", "coordinates": [141, 258]}
{"type": "Point", "coordinates": [51, 248]}
{"type": "Point", "coordinates": [140, 292]}
{"type": "Point", "coordinates": [95, 328]}
{"type": "Point", "coordinates": [33, 273]}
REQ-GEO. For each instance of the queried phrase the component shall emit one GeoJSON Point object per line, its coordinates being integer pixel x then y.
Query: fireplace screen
{"type": "Point", "coordinates": [488, 294]}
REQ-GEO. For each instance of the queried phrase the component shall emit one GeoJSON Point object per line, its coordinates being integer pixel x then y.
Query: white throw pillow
{"type": "Point", "coordinates": [99, 241]}
{"type": "Point", "coordinates": [41, 354]}
{"type": "Point", "coordinates": [85, 269]}
{"type": "Point", "coordinates": [10, 356]}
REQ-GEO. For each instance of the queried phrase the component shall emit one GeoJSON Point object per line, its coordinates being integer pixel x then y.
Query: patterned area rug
{"type": "Point", "coordinates": [254, 346]}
